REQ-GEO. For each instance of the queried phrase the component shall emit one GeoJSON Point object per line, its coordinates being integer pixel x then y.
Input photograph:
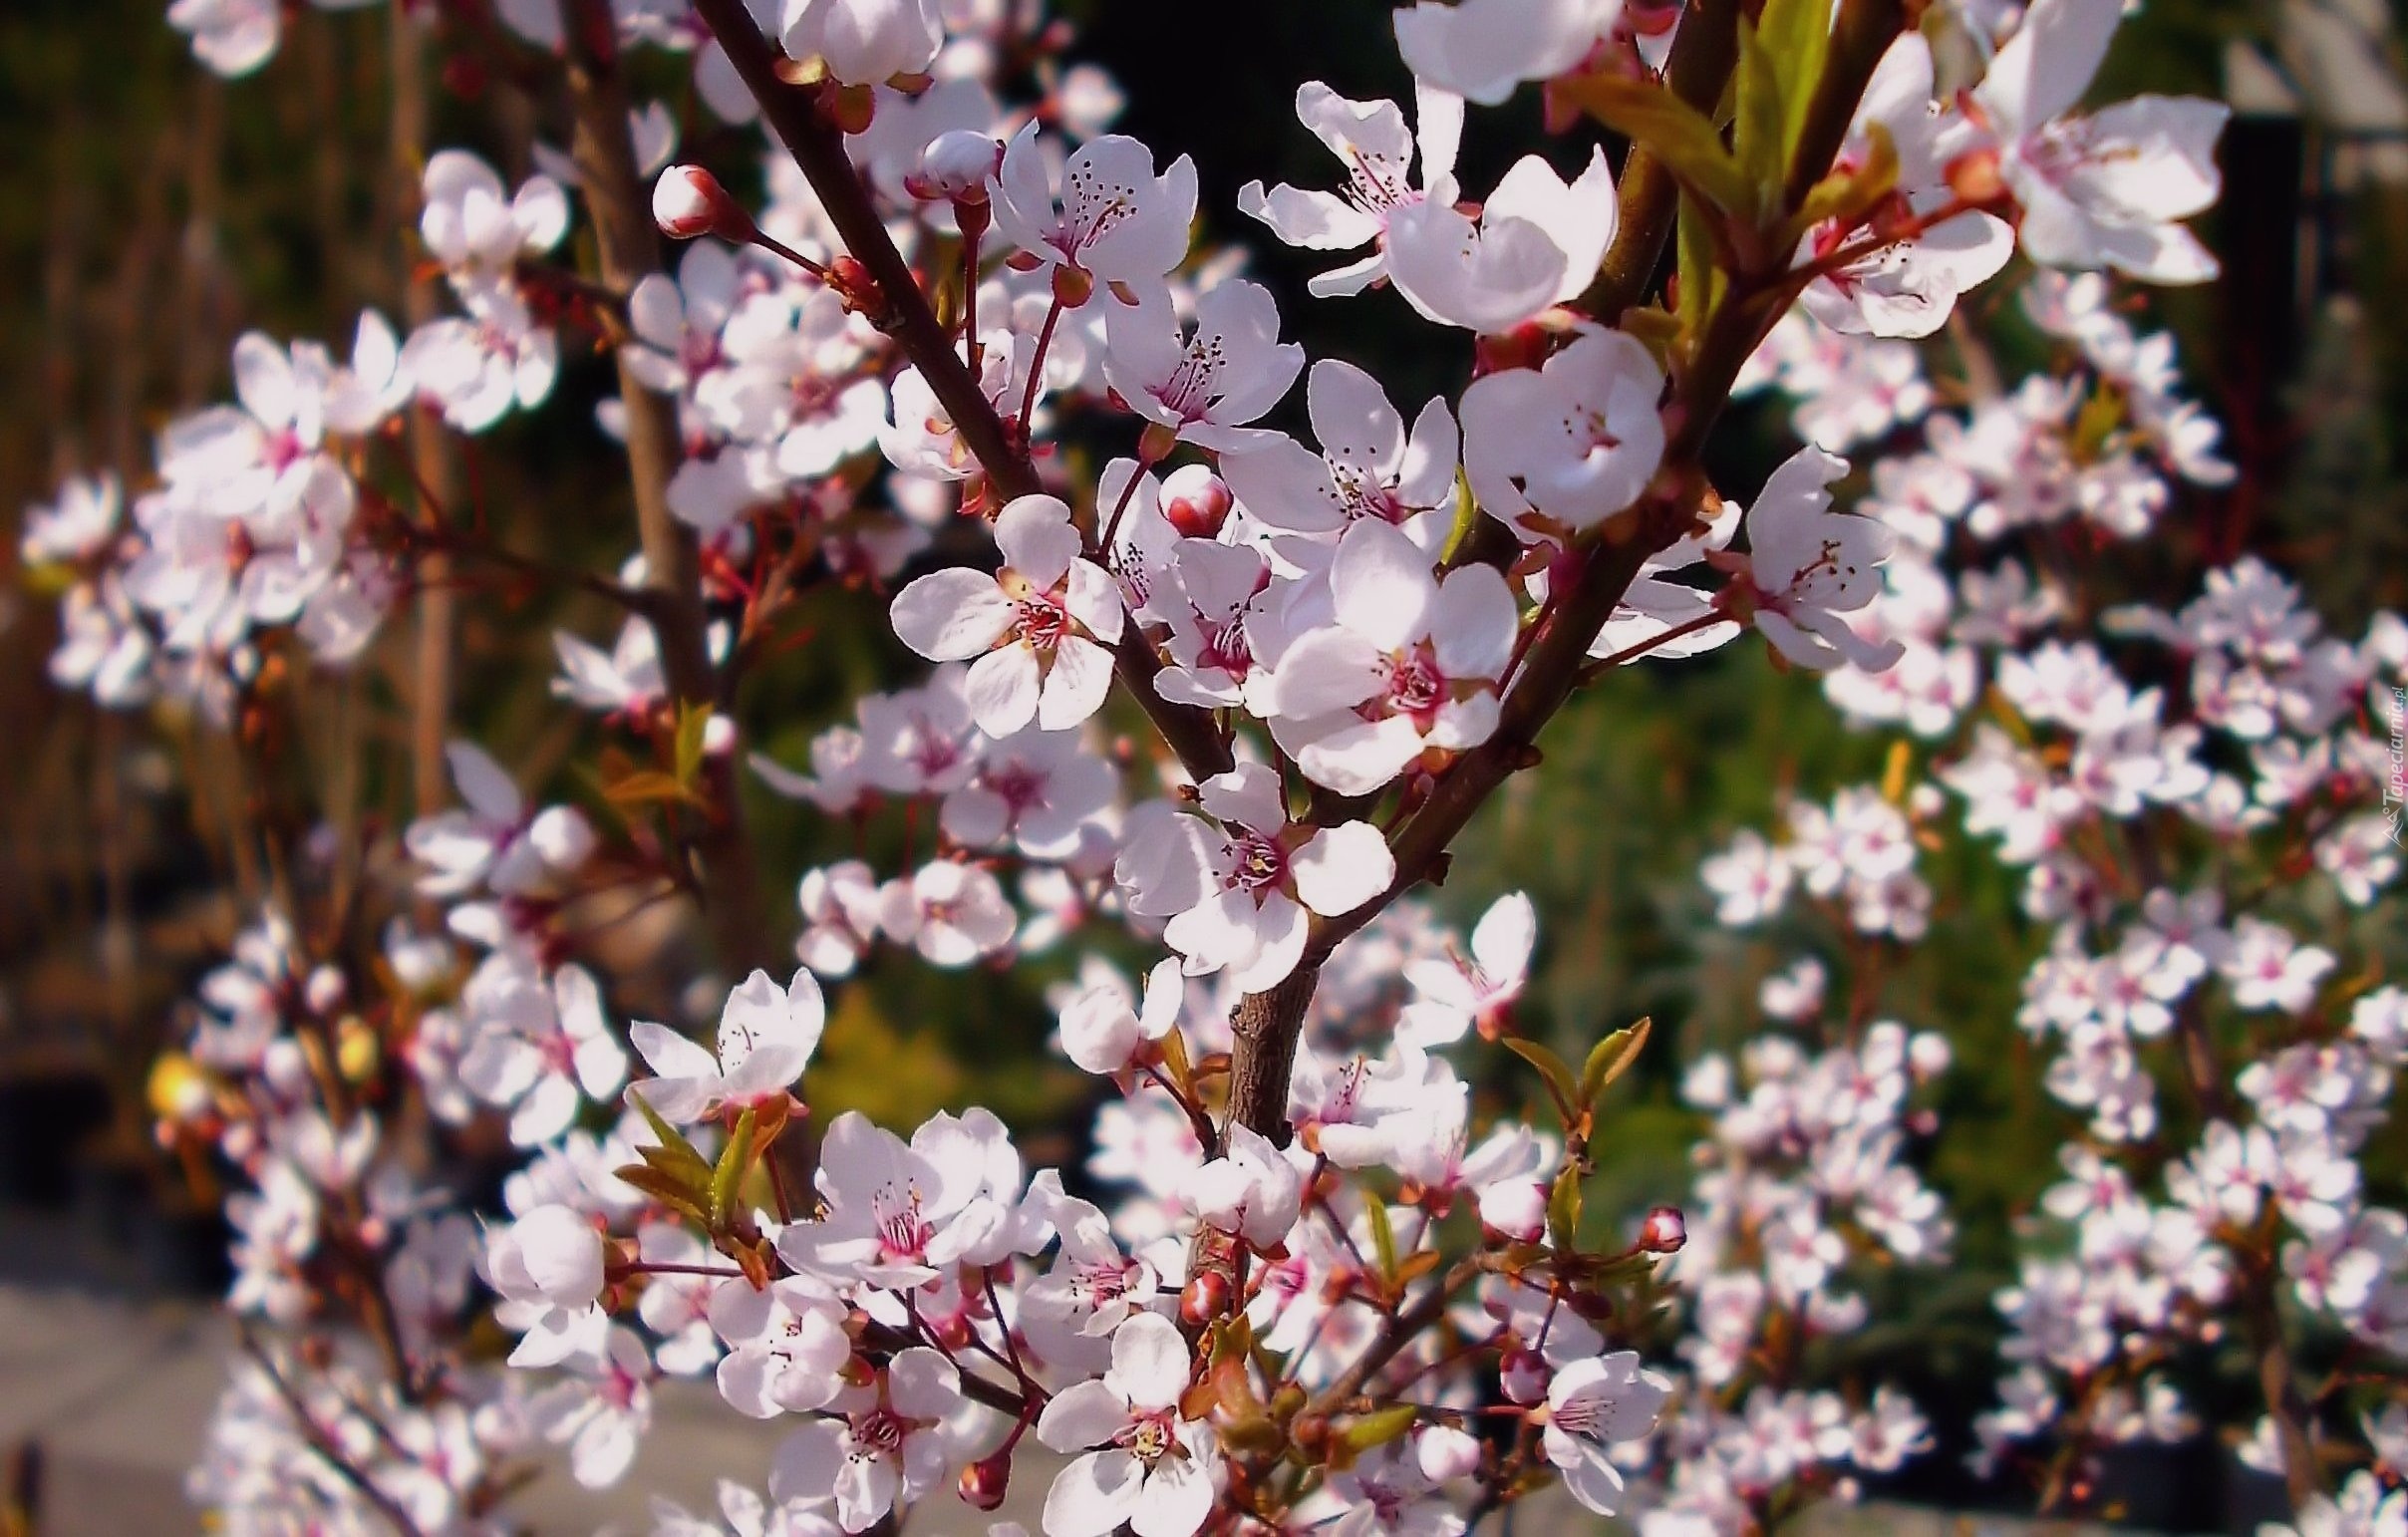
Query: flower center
{"type": "Point", "coordinates": [1255, 861]}
{"type": "Point", "coordinates": [1042, 623]}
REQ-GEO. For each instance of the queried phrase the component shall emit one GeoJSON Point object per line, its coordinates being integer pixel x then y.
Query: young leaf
{"type": "Point", "coordinates": [1671, 129]}
{"type": "Point", "coordinates": [1383, 1234]}
{"type": "Point", "coordinates": [1796, 36]}
{"type": "Point", "coordinates": [1551, 1067]}
{"type": "Point", "coordinates": [1756, 132]}
{"type": "Point", "coordinates": [664, 1189]}
{"type": "Point", "coordinates": [1700, 276]}
{"type": "Point", "coordinates": [1611, 1058]}
{"type": "Point", "coordinates": [673, 1152]}
{"type": "Point", "coordinates": [1847, 196]}
{"type": "Point", "coordinates": [1380, 1426]}
{"type": "Point", "coordinates": [735, 1161]}
{"type": "Point", "coordinates": [693, 722]}
{"type": "Point", "coordinates": [1564, 1211]}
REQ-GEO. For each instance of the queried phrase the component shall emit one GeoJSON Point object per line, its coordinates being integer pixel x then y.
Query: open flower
{"type": "Point", "coordinates": [1039, 626]}
{"type": "Point", "coordinates": [767, 1036]}
{"type": "Point", "coordinates": [1482, 49]}
{"type": "Point", "coordinates": [1116, 223]}
{"type": "Point", "coordinates": [1574, 440]}
{"type": "Point", "coordinates": [1203, 384]}
{"type": "Point", "coordinates": [1410, 664]}
{"type": "Point", "coordinates": [1372, 140]}
{"type": "Point", "coordinates": [2107, 188]}
{"type": "Point", "coordinates": [865, 42]}
{"type": "Point", "coordinates": [1806, 565]}
{"type": "Point", "coordinates": [1591, 1405]}
{"type": "Point", "coordinates": [1536, 243]}
{"type": "Point", "coordinates": [1237, 898]}
{"type": "Point", "coordinates": [1368, 465]}
{"type": "Point", "coordinates": [1151, 1470]}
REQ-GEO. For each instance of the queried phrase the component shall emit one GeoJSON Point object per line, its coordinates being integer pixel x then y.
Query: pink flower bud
{"type": "Point", "coordinates": [1665, 1231]}
{"type": "Point", "coordinates": [1523, 1375]}
{"type": "Point", "coordinates": [1196, 502]}
{"type": "Point", "coordinates": [983, 1484]}
{"type": "Point", "coordinates": [1516, 1208]}
{"type": "Point", "coordinates": [956, 168]}
{"type": "Point", "coordinates": [687, 201]}
{"type": "Point", "coordinates": [325, 991]}
{"type": "Point", "coordinates": [1446, 1453]}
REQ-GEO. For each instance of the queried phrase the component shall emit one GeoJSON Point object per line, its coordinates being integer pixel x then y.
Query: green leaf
{"type": "Point", "coordinates": [1611, 1058]}
{"type": "Point", "coordinates": [692, 722]}
{"type": "Point", "coordinates": [1380, 1426]}
{"type": "Point", "coordinates": [1551, 1067]}
{"type": "Point", "coordinates": [1796, 36]}
{"type": "Point", "coordinates": [1700, 275]}
{"type": "Point", "coordinates": [1564, 1211]}
{"type": "Point", "coordinates": [674, 1154]}
{"type": "Point", "coordinates": [664, 1189]}
{"type": "Point", "coordinates": [1673, 130]}
{"type": "Point", "coordinates": [1383, 1234]}
{"type": "Point", "coordinates": [1467, 514]}
{"type": "Point", "coordinates": [735, 1161]}
{"type": "Point", "coordinates": [1757, 130]}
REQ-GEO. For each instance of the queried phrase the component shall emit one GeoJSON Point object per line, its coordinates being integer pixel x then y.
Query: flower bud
{"type": "Point", "coordinates": [1974, 177]}
{"type": "Point", "coordinates": [687, 201]}
{"type": "Point", "coordinates": [1514, 1208]}
{"type": "Point", "coordinates": [956, 168]}
{"type": "Point", "coordinates": [1446, 1453]}
{"type": "Point", "coordinates": [1665, 1231]}
{"type": "Point", "coordinates": [1196, 502]}
{"type": "Point", "coordinates": [324, 990]}
{"type": "Point", "coordinates": [1204, 1298]}
{"type": "Point", "coordinates": [983, 1483]}
{"type": "Point", "coordinates": [1523, 1375]}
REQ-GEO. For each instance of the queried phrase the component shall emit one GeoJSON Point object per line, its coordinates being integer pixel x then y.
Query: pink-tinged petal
{"type": "Point", "coordinates": [1343, 868]}
{"type": "Point", "coordinates": [1279, 935]}
{"type": "Point", "coordinates": [483, 784]}
{"type": "Point", "coordinates": [1150, 1361]}
{"type": "Point", "coordinates": [1465, 723]}
{"type": "Point", "coordinates": [1248, 796]}
{"type": "Point", "coordinates": [1312, 221]}
{"type": "Point", "coordinates": [1074, 686]}
{"type": "Point", "coordinates": [1094, 1496]}
{"type": "Point", "coordinates": [1351, 417]}
{"type": "Point", "coordinates": [1083, 1415]}
{"type": "Point", "coordinates": [1381, 584]}
{"type": "Point", "coordinates": [1286, 484]}
{"type": "Point", "coordinates": [1036, 539]}
{"type": "Point", "coordinates": [923, 1385]}
{"type": "Point", "coordinates": [805, 1465]}
{"type": "Point", "coordinates": [1361, 758]}
{"type": "Point", "coordinates": [1474, 622]}
{"type": "Point", "coordinates": [1217, 932]}
{"type": "Point", "coordinates": [2048, 64]}
{"type": "Point", "coordinates": [1506, 935]}
{"type": "Point", "coordinates": [1177, 1497]}
{"type": "Point", "coordinates": [1093, 599]}
{"type": "Point", "coordinates": [950, 615]}
{"type": "Point", "coordinates": [263, 379]}
{"type": "Point", "coordinates": [1002, 690]}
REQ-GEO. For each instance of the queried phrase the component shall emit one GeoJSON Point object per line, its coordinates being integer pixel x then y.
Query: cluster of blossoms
{"type": "Point", "coordinates": [1329, 1291]}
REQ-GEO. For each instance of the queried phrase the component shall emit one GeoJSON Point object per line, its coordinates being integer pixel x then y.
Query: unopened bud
{"type": "Point", "coordinates": [1446, 1453]}
{"type": "Point", "coordinates": [687, 201]}
{"type": "Point", "coordinates": [859, 291]}
{"type": "Point", "coordinates": [1196, 502]}
{"type": "Point", "coordinates": [324, 991]}
{"type": "Point", "coordinates": [1204, 1298]}
{"type": "Point", "coordinates": [983, 1483]}
{"type": "Point", "coordinates": [1665, 1231]}
{"type": "Point", "coordinates": [1523, 1375]}
{"type": "Point", "coordinates": [956, 168]}
{"type": "Point", "coordinates": [1650, 18]}
{"type": "Point", "coordinates": [1072, 287]}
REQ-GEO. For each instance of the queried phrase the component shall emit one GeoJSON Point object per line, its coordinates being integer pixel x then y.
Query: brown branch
{"type": "Point", "coordinates": [629, 246]}
{"type": "Point", "coordinates": [817, 147]}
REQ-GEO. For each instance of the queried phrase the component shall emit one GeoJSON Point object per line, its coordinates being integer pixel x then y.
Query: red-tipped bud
{"type": "Point", "coordinates": [983, 1483]}
{"type": "Point", "coordinates": [688, 202]}
{"type": "Point", "coordinates": [1523, 1375]}
{"type": "Point", "coordinates": [1665, 1231]}
{"type": "Point", "coordinates": [956, 168]}
{"type": "Point", "coordinates": [1204, 1297]}
{"type": "Point", "coordinates": [1196, 502]}
{"type": "Point", "coordinates": [859, 291]}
